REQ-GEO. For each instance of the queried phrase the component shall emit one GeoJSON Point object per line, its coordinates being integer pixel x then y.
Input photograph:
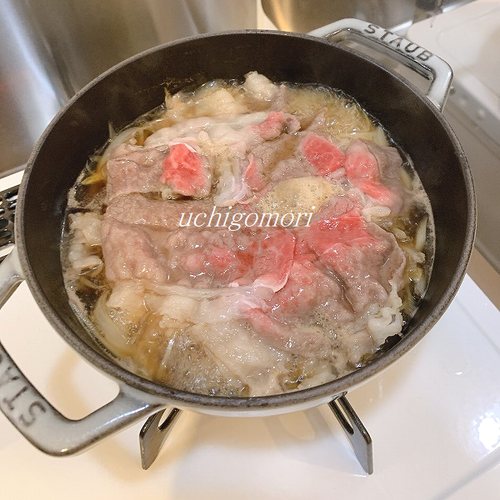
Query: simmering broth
{"type": "Point", "coordinates": [248, 238]}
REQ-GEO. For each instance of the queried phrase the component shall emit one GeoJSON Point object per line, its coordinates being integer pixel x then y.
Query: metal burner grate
{"type": "Point", "coordinates": [8, 202]}
{"type": "Point", "coordinates": [158, 426]}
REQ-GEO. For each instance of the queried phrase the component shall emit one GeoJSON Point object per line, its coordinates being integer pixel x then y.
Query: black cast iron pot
{"type": "Point", "coordinates": [130, 89]}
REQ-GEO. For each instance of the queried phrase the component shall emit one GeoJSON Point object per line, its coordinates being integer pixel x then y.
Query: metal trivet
{"type": "Point", "coordinates": [157, 428]}
{"type": "Point", "coordinates": [8, 202]}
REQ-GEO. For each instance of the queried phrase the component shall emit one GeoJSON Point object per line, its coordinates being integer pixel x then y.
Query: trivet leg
{"type": "Point", "coordinates": [355, 431]}
{"type": "Point", "coordinates": [153, 435]}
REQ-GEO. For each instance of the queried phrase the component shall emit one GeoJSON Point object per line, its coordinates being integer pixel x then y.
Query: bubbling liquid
{"type": "Point", "coordinates": [181, 298]}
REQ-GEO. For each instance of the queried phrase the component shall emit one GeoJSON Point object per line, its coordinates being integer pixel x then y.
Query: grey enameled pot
{"type": "Point", "coordinates": [136, 86]}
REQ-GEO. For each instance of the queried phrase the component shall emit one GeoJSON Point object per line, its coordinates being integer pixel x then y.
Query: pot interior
{"type": "Point", "coordinates": [138, 85]}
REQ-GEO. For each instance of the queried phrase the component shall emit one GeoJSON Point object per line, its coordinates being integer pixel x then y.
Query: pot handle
{"type": "Point", "coordinates": [397, 47]}
{"type": "Point", "coordinates": [37, 420]}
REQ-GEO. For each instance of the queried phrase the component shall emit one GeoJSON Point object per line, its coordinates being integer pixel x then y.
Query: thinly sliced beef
{"type": "Point", "coordinates": [186, 172]}
{"type": "Point", "coordinates": [168, 215]}
{"type": "Point", "coordinates": [139, 169]}
{"type": "Point", "coordinates": [337, 206]}
{"type": "Point", "coordinates": [130, 253]}
{"type": "Point", "coordinates": [134, 169]}
{"type": "Point", "coordinates": [252, 176]}
{"type": "Point", "coordinates": [273, 259]}
{"type": "Point", "coordinates": [390, 164]}
{"type": "Point", "coordinates": [206, 291]}
{"type": "Point", "coordinates": [224, 258]}
{"type": "Point", "coordinates": [375, 175]}
{"type": "Point", "coordinates": [276, 160]}
{"type": "Point", "coordinates": [275, 124]}
{"type": "Point", "coordinates": [191, 149]}
{"type": "Point", "coordinates": [145, 239]}
{"type": "Point", "coordinates": [325, 156]}
{"type": "Point", "coordinates": [364, 257]}
{"type": "Point", "coordinates": [308, 288]}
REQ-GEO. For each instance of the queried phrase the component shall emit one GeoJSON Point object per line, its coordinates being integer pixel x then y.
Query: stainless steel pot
{"type": "Point", "coordinates": [136, 86]}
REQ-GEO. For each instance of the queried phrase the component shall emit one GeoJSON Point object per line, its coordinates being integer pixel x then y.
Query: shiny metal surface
{"type": "Point", "coordinates": [29, 89]}
{"type": "Point", "coordinates": [51, 49]}
{"type": "Point", "coordinates": [306, 15]}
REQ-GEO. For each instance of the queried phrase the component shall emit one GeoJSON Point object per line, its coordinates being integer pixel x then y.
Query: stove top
{"type": "Point", "coordinates": [434, 417]}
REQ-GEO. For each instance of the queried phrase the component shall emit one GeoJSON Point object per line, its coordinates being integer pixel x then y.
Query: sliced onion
{"type": "Point", "coordinates": [113, 336]}
{"type": "Point", "coordinates": [421, 235]}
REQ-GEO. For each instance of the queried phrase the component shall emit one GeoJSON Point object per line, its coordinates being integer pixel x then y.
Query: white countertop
{"type": "Point", "coordinates": [434, 417]}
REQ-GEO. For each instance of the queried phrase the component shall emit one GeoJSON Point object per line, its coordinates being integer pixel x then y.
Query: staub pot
{"type": "Point", "coordinates": [136, 86]}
